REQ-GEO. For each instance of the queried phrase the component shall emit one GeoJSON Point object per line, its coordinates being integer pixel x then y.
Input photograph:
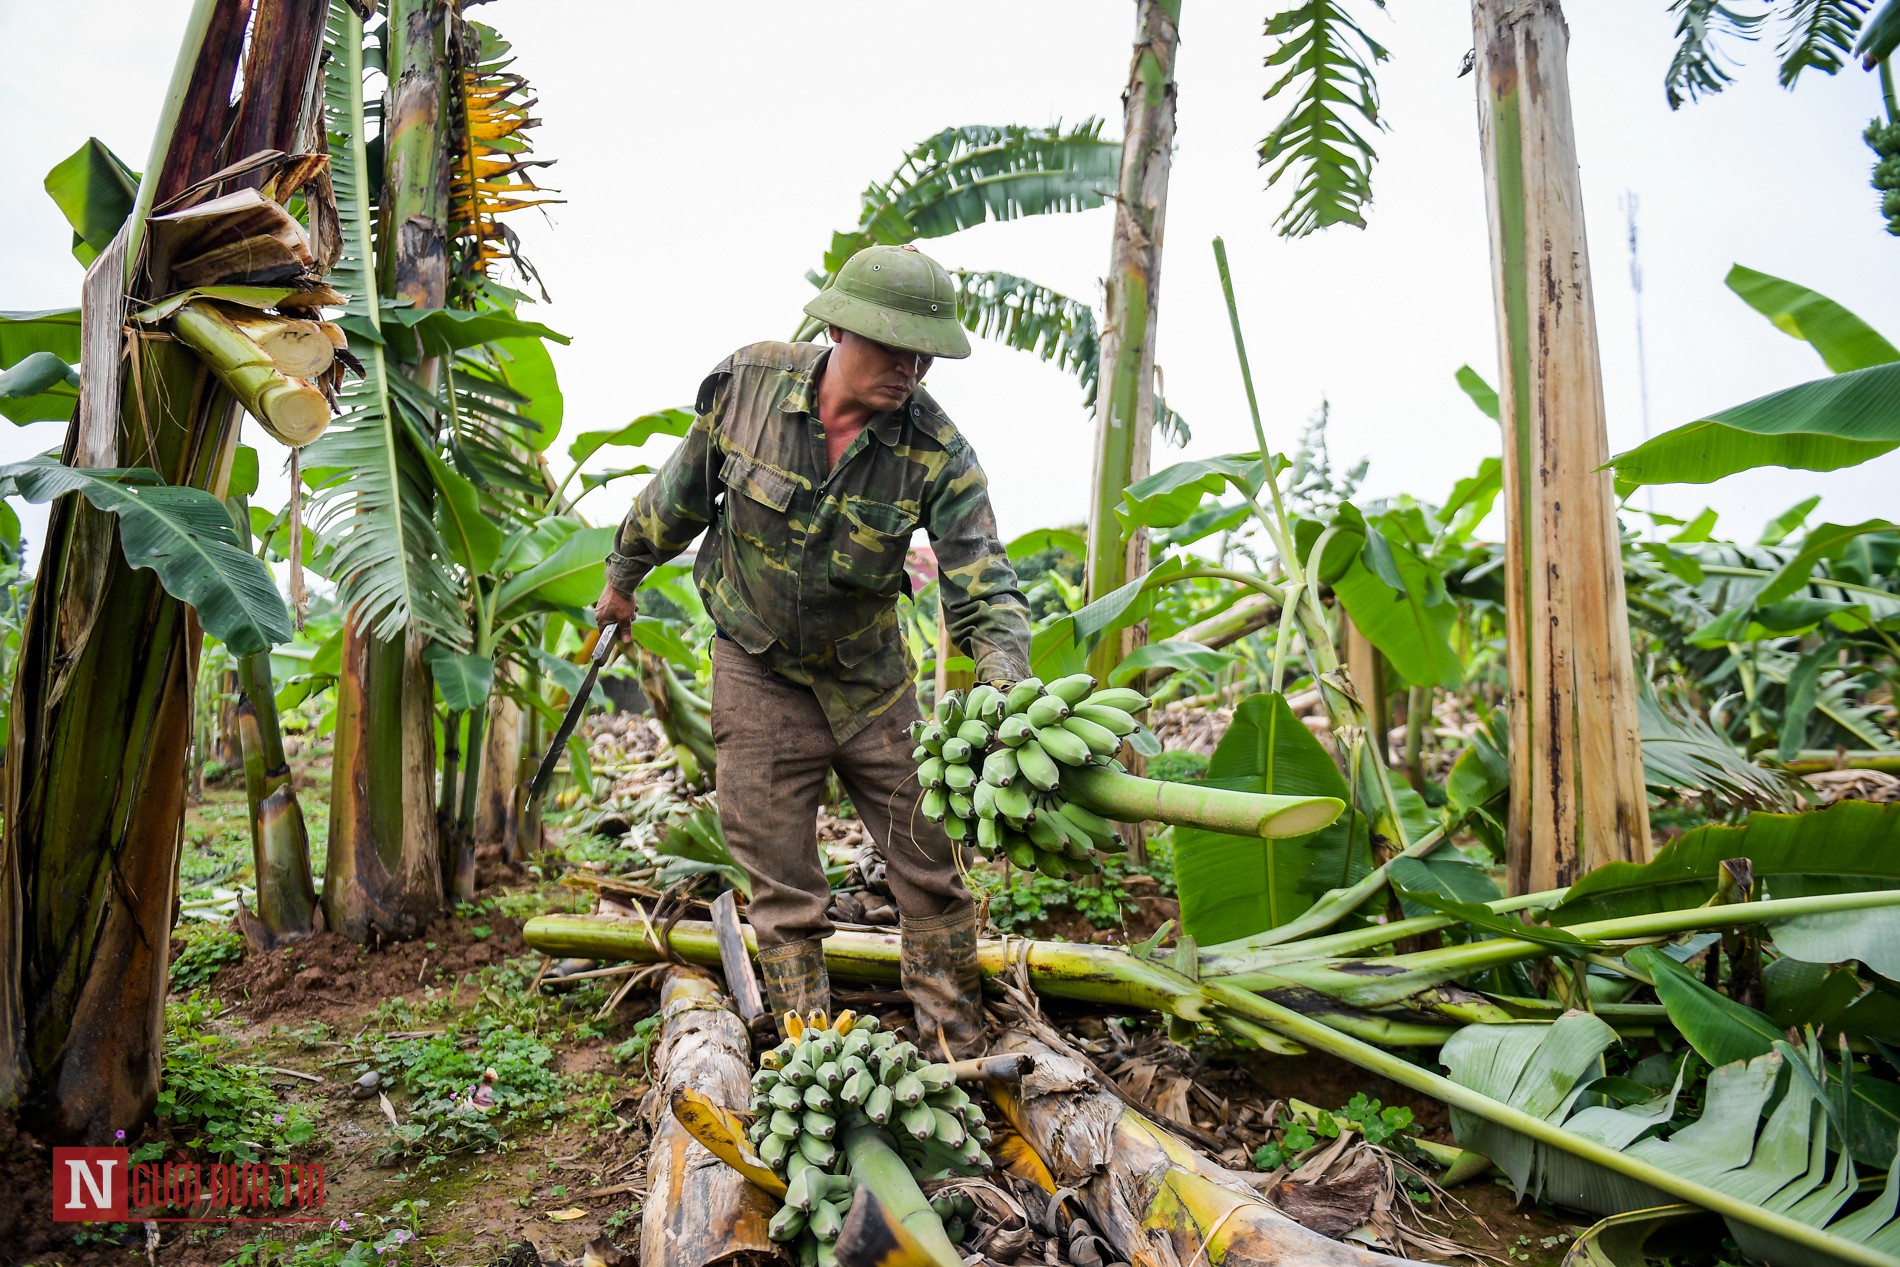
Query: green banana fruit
{"type": "Point", "coordinates": [1101, 741]}
{"type": "Point", "coordinates": [908, 1089]}
{"type": "Point", "coordinates": [961, 778]}
{"type": "Point", "coordinates": [818, 1098]}
{"type": "Point", "coordinates": [877, 1104]}
{"type": "Point", "coordinates": [1046, 711]}
{"type": "Point", "coordinates": [1053, 865]}
{"type": "Point", "coordinates": [975, 733]}
{"type": "Point", "coordinates": [823, 1125]}
{"type": "Point", "coordinates": [787, 1224]}
{"type": "Point", "coordinates": [1107, 716]}
{"type": "Point", "coordinates": [1073, 689]}
{"type": "Point", "coordinates": [1012, 802]}
{"type": "Point", "coordinates": [955, 751]}
{"type": "Point", "coordinates": [1021, 694]}
{"type": "Point", "coordinates": [950, 1131]}
{"type": "Point", "coordinates": [930, 772]}
{"type": "Point", "coordinates": [999, 768]}
{"type": "Point", "coordinates": [784, 1124]}
{"type": "Point", "coordinates": [932, 738]}
{"type": "Point", "coordinates": [936, 1077]}
{"type": "Point", "coordinates": [983, 800]}
{"type": "Point", "coordinates": [1036, 765]}
{"type": "Point", "coordinates": [1014, 732]}
{"type": "Point", "coordinates": [825, 1221]}
{"type": "Point", "coordinates": [829, 1075]}
{"type": "Point", "coordinates": [774, 1150]}
{"type": "Point", "coordinates": [1022, 854]}
{"type": "Point", "coordinates": [961, 805]}
{"type": "Point", "coordinates": [957, 828]}
{"type": "Point", "coordinates": [785, 1096]}
{"type": "Point", "coordinates": [818, 1152]}
{"type": "Point", "coordinates": [1125, 698]}
{"type": "Point", "coordinates": [934, 804]}
{"type": "Point", "coordinates": [1064, 745]}
{"type": "Point", "coordinates": [919, 1122]}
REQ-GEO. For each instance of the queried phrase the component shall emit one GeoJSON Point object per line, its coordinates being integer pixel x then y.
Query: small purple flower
{"type": "Point", "coordinates": [118, 1136]}
{"type": "Point", "coordinates": [277, 1118]}
{"type": "Point", "coordinates": [403, 1236]}
{"type": "Point", "coordinates": [342, 1225]}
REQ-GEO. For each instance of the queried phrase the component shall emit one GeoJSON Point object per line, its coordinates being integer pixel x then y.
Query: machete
{"type": "Point", "coordinates": [602, 649]}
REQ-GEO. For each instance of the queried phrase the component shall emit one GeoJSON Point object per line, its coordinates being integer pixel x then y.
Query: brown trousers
{"type": "Point", "coordinates": [774, 747]}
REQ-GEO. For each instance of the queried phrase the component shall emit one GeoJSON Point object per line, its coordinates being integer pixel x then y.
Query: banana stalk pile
{"type": "Point", "coordinates": [833, 1079]}
{"type": "Point", "coordinates": [991, 764]}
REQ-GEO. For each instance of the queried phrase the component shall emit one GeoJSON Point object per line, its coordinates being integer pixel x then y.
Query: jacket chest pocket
{"type": "Point", "coordinates": [756, 498]}
{"type": "Point", "coordinates": [869, 545]}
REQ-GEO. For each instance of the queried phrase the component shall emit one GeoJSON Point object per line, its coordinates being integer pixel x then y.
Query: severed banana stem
{"type": "Point", "coordinates": [292, 409]}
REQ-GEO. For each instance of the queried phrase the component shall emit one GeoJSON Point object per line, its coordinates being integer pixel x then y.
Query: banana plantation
{"type": "Point", "coordinates": [405, 859]}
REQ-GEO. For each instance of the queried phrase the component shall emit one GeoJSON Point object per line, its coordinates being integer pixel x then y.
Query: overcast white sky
{"type": "Point", "coordinates": [707, 151]}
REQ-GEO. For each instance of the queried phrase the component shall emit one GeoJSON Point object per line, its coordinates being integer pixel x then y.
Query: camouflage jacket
{"type": "Point", "coordinates": [803, 565]}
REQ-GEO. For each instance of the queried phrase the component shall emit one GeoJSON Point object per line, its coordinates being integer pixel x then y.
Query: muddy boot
{"type": "Point", "coordinates": [941, 978]}
{"type": "Point", "coordinates": [795, 979]}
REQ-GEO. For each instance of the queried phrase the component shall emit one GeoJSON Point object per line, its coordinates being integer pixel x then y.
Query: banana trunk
{"type": "Point", "coordinates": [1155, 1199]}
{"type": "Point", "coordinates": [280, 842]}
{"type": "Point", "coordinates": [700, 1212]}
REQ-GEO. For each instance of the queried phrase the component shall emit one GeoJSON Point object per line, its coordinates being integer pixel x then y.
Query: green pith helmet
{"type": "Point", "coordinates": [899, 297]}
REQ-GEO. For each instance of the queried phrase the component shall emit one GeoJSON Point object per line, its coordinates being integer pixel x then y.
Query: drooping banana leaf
{"type": "Point", "coordinates": [1762, 1140]}
{"type": "Point", "coordinates": [182, 534]}
{"type": "Point", "coordinates": [1849, 847]}
{"type": "Point", "coordinates": [1683, 753]}
{"type": "Point", "coordinates": [1817, 426]}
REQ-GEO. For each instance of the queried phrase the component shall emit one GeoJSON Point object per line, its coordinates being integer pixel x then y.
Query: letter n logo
{"type": "Point", "coordinates": [89, 1185]}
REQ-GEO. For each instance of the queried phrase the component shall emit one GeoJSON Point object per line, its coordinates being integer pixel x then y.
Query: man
{"type": "Point", "coordinates": [808, 468]}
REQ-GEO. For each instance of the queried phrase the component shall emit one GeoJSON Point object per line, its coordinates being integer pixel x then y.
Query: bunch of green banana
{"type": "Point", "coordinates": [956, 1209]}
{"type": "Point", "coordinates": [991, 761]}
{"type": "Point", "coordinates": [833, 1074]}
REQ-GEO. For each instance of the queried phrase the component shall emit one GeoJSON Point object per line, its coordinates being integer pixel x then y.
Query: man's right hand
{"type": "Point", "coordinates": [613, 607]}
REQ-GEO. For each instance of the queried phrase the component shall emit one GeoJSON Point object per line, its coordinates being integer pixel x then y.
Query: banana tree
{"type": "Point", "coordinates": [133, 568]}
{"type": "Point", "coordinates": [436, 463]}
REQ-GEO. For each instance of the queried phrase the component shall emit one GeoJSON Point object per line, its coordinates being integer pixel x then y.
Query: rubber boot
{"type": "Point", "coordinates": [795, 979]}
{"type": "Point", "coordinates": [945, 988]}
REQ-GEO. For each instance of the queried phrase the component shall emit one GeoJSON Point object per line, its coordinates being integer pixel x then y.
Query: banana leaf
{"type": "Point", "coordinates": [1849, 847]}
{"type": "Point", "coordinates": [1842, 339]}
{"type": "Point", "coordinates": [1232, 888]}
{"type": "Point", "coordinates": [182, 534]}
{"type": "Point", "coordinates": [1818, 426]}
{"type": "Point", "coordinates": [1762, 1139]}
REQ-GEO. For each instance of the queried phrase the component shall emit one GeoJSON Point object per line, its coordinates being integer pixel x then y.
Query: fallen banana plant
{"type": "Point", "coordinates": [698, 1214]}
{"type": "Point", "coordinates": [1762, 1142]}
{"type": "Point", "coordinates": [1157, 1200]}
{"type": "Point", "coordinates": [1397, 1000]}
